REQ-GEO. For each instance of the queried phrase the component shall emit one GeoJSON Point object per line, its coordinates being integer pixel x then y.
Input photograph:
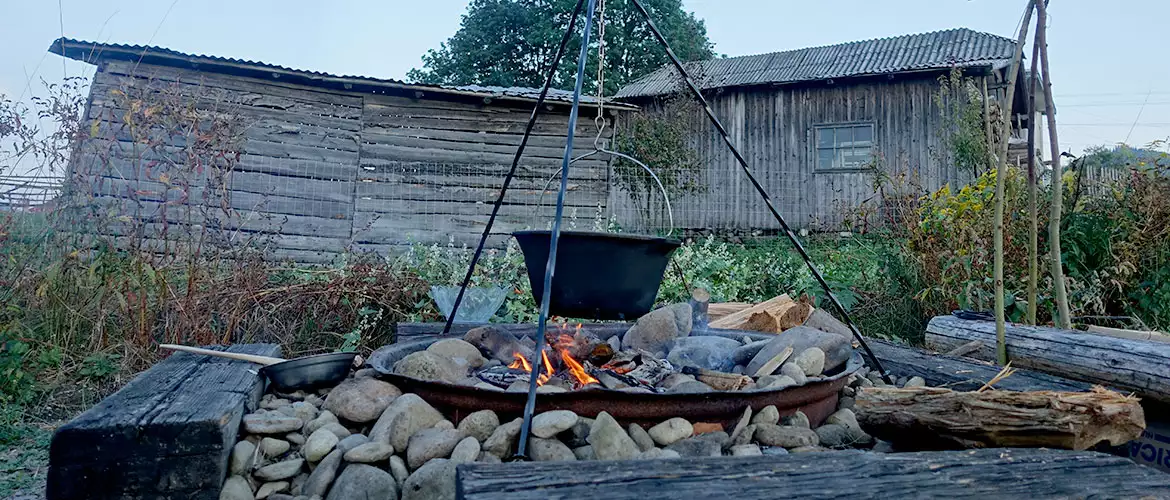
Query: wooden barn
{"type": "Point", "coordinates": [308, 165]}
{"type": "Point", "coordinates": [814, 122]}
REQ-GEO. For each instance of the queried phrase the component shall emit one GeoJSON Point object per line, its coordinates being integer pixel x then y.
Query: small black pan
{"type": "Point", "coordinates": [289, 374]}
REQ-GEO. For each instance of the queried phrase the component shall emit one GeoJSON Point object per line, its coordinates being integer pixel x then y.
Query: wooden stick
{"type": "Point", "coordinates": [251, 358]}
{"type": "Point", "coordinates": [1060, 294]}
{"type": "Point", "coordinates": [734, 320]}
{"type": "Point", "coordinates": [1033, 191]}
{"type": "Point", "coordinates": [1001, 174]}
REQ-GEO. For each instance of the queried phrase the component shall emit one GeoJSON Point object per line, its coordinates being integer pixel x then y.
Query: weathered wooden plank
{"type": "Point", "coordinates": [167, 433]}
{"type": "Point", "coordinates": [153, 90]}
{"type": "Point", "coordinates": [433, 155]}
{"type": "Point", "coordinates": [378, 122]}
{"type": "Point", "coordinates": [962, 374]}
{"type": "Point", "coordinates": [114, 69]}
{"type": "Point", "coordinates": [149, 211]}
{"type": "Point", "coordinates": [427, 143]}
{"type": "Point", "coordinates": [261, 131]}
{"type": "Point", "coordinates": [580, 144]}
{"type": "Point", "coordinates": [853, 474]}
{"type": "Point", "coordinates": [294, 187]}
{"type": "Point", "coordinates": [373, 168]}
{"type": "Point", "coordinates": [106, 106]}
{"type": "Point", "coordinates": [577, 195]}
{"type": "Point", "coordinates": [370, 227]}
{"type": "Point", "coordinates": [151, 190]}
{"type": "Point", "coordinates": [1125, 364]}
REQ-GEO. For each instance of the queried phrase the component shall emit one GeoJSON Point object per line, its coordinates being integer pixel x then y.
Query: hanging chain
{"type": "Point", "coordinates": [599, 121]}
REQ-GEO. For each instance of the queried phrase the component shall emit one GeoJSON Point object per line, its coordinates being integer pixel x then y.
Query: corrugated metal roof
{"type": "Point", "coordinates": [936, 50]}
{"type": "Point", "coordinates": [94, 52]}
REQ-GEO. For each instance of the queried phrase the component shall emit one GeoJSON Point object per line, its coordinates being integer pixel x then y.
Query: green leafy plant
{"type": "Point", "coordinates": [100, 365]}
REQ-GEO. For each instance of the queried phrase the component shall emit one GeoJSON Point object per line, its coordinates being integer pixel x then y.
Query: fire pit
{"type": "Point", "coordinates": [591, 385]}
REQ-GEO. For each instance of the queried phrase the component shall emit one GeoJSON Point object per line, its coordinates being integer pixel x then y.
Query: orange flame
{"type": "Point", "coordinates": [521, 363]}
{"type": "Point", "coordinates": [580, 376]}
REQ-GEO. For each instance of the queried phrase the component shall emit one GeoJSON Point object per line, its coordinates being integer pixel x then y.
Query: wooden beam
{"type": "Point", "coordinates": [963, 374]}
{"type": "Point", "coordinates": [989, 473]}
{"type": "Point", "coordinates": [1124, 364]}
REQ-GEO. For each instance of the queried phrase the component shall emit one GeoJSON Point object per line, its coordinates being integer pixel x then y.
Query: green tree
{"type": "Point", "coordinates": [510, 42]}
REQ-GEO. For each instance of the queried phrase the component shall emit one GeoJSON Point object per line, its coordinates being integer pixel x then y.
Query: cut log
{"type": "Point", "coordinates": [700, 301]}
{"type": "Point", "coordinates": [963, 374]}
{"type": "Point", "coordinates": [722, 309]}
{"type": "Point", "coordinates": [167, 434]}
{"type": "Point", "coordinates": [1123, 333]}
{"type": "Point", "coordinates": [976, 474]}
{"type": "Point", "coordinates": [1124, 364]}
{"type": "Point", "coordinates": [966, 349]}
{"type": "Point", "coordinates": [926, 418]}
{"type": "Point", "coordinates": [771, 316]}
{"type": "Point", "coordinates": [825, 322]}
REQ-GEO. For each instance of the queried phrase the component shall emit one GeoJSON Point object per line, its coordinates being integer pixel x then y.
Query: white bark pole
{"type": "Point", "coordinates": [1058, 286]}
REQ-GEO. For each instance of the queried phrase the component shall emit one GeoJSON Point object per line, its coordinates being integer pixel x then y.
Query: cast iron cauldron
{"type": "Point", "coordinates": [598, 275]}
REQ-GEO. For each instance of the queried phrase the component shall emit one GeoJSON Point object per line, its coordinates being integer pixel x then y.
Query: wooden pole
{"type": "Point", "coordinates": [1001, 174]}
{"type": "Point", "coordinates": [1033, 192]}
{"type": "Point", "coordinates": [1058, 286]}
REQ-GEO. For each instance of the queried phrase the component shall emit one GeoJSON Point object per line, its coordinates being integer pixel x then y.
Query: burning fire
{"type": "Point", "coordinates": [576, 371]}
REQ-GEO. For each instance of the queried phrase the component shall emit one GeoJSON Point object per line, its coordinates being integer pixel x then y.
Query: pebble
{"type": "Point", "coordinates": [549, 450]}
{"type": "Point", "coordinates": [584, 453]}
{"type": "Point", "coordinates": [398, 469]}
{"type": "Point", "coordinates": [466, 451]}
{"type": "Point", "coordinates": [243, 458]}
{"type": "Point", "coordinates": [551, 423]}
{"type": "Point", "coordinates": [811, 360]}
{"type": "Point", "coordinates": [797, 419]}
{"type": "Point", "coordinates": [425, 365]}
{"type": "Point", "coordinates": [352, 441]}
{"type": "Point", "coordinates": [272, 447]}
{"type": "Point", "coordinates": [280, 470]}
{"type": "Point", "coordinates": [745, 436]}
{"type": "Point", "coordinates": [435, 480]}
{"type": "Point", "coordinates": [287, 411]}
{"type": "Point", "coordinates": [360, 481]}
{"type": "Point", "coordinates": [768, 415]}
{"type": "Point", "coordinates": [915, 381]}
{"type": "Point", "coordinates": [671, 431]}
{"type": "Point", "coordinates": [744, 420]}
{"type": "Point", "coordinates": [324, 418]}
{"type": "Point", "coordinates": [781, 382]}
{"type": "Point", "coordinates": [576, 437]}
{"type": "Point", "coordinates": [503, 440]}
{"type": "Point", "coordinates": [297, 484]}
{"type": "Point", "coordinates": [304, 411]}
{"type": "Point", "coordinates": [846, 402]}
{"type": "Point", "coordinates": [488, 458]}
{"type": "Point", "coordinates": [337, 429]}
{"type": "Point", "coordinates": [315, 400]}
{"type": "Point", "coordinates": [406, 415]}
{"type": "Point", "coordinates": [459, 351]}
{"type": "Point", "coordinates": [480, 424]}
{"type": "Point", "coordinates": [443, 424]}
{"type": "Point", "coordinates": [883, 447]}
{"type": "Point", "coordinates": [428, 444]}
{"type": "Point", "coordinates": [295, 438]}
{"type": "Point", "coordinates": [697, 447]}
{"type": "Point", "coordinates": [322, 476]}
{"type": "Point", "coordinates": [794, 372]}
{"type": "Point", "coordinates": [236, 488]}
{"type": "Point", "coordinates": [656, 329]}
{"type": "Point", "coordinates": [674, 379]}
{"type": "Point", "coordinates": [369, 453]}
{"type": "Point", "coordinates": [640, 437]}
{"type": "Point", "coordinates": [273, 403]}
{"type": "Point", "coordinates": [271, 423]}
{"type": "Point", "coordinates": [834, 435]}
{"type": "Point", "coordinates": [746, 450]}
{"type": "Point", "coordinates": [775, 450]}
{"type": "Point", "coordinates": [720, 437]}
{"type": "Point", "coordinates": [806, 449]}
{"type": "Point", "coordinates": [609, 441]}
{"type": "Point", "coordinates": [361, 400]}
{"type": "Point", "coordinates": [787, 437]}
{"type": "Point", "coordinates": [319, 444]}
{"type": "Point", "coordinates": [267, 489]}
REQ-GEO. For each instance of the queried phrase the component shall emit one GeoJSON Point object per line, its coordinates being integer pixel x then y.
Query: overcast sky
{"type": "Point", "coordinates": [1108, 58]}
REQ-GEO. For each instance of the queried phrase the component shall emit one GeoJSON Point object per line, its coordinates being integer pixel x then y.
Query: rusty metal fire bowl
{"type": "Point", "coordinates": [817, 398]}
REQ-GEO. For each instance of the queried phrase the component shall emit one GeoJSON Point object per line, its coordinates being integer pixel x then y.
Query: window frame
{"type": "Point", "coordinates": [814, 142]}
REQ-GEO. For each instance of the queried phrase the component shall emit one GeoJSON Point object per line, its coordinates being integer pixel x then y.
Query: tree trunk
{"type": "Point", "coordinates": [1124, 364]}
{"type": "Point", "coordinates": [924, 418]}
{"type": "Point", "coordinates": [1001, 174]}
{"type": "Point", "coordinates": [1058, 286]}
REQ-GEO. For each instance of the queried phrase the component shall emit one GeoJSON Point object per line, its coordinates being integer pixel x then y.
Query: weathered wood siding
{"type": "Point", "coordinates": [774, 130]}
{"type": "Point", "coordinates": [321, 171]}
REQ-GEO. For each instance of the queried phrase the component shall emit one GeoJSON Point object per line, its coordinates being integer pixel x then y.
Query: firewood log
{"type": "Point", "coordinates": [825, 322]}
{"type": "Point", "coordinates": [722, 309]}
{"type": "Point", "coordinates": [925, 418]}
{"type": "Point", "coordinates": [742, 320]}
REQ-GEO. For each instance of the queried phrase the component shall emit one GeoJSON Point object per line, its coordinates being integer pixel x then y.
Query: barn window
{"type": "Point", "coordinates": [844, 147]}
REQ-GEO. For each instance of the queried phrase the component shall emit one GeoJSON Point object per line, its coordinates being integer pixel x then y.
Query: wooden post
{"type": "Point", "coordinates": [1033, 194]}
{"type": "Point", "coordinates": [1000, 176]}
{"type": "Point", "coordinates": [1059, 292]}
